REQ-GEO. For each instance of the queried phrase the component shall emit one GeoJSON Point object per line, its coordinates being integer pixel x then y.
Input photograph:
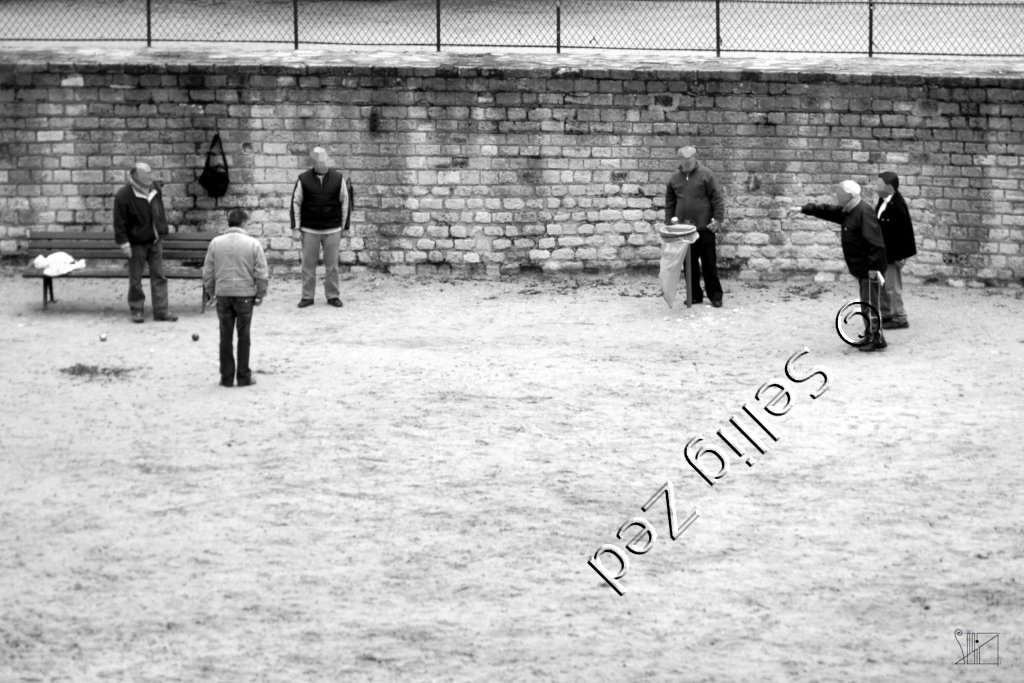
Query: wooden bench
{"type": "Point", "coordinates": [187, 247]}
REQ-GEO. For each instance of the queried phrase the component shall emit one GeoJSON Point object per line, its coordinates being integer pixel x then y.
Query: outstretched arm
{"type": "Point", "coordinates": [828, 212]}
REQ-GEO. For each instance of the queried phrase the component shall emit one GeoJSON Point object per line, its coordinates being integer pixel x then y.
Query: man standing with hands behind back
{"type": "Point", "coordinates": [140, 222]}
{"type": "Point", "coordinates": [898, 233]}
{"type": "Point", "coordinates": [694, 196]}
{"type": "Point", "coordinates": [320, 211]}
{"type": "Point", "coordinates": [235, 271]}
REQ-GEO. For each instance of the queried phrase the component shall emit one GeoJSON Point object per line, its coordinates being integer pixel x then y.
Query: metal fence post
{"type": "Point", "coordinates": [295, 21]}
{"type": "Point", "coordinates": [718, 28]}
{"type": "Point", "coordinates": [438, 25]}
{"type": "Point", "coordinates": [558, 27]}
{"type": "Point", "coordinates": [149, 23]}
{"type": "Point", "coordinates": [871, 28]}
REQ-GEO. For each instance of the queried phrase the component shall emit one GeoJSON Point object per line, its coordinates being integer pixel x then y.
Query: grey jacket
{"type": "Point", "coordinates": [235, 266]}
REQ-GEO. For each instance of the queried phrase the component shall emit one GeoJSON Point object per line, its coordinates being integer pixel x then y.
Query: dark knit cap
{"type": "Point", "coordinates": [890, 178]}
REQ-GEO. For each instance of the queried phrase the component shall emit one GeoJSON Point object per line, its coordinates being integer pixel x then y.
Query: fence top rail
{"type": "Point", "coordinates": [862, 3]}
{"type": "Point", "coordinates": [213, 58]}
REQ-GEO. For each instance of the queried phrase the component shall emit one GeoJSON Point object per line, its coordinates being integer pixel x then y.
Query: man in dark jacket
{"type": "Point", "coordinates": [693, 196]}
{"type": "Point", "coordinates": [321, 210]}
{"type": "Point", "coordinates": [140, 223]}
{"type": "Point", "coordinates": [898, 233]}
{"type": "Point", "coordinates": [863, 249]}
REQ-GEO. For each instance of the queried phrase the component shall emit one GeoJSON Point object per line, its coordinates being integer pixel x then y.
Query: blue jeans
{"type": "Point", "coordinates": [871, 293]}
{"type": "Point", "coordinates": [234, 312]}
{"type": "Point", "coordinates": [143, 255]}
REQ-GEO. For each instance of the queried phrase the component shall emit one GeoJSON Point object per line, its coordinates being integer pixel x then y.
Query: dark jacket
{"type": "Point", "coordinates": [694, 198]}
{"type": "Point", "coordinates": [897, 229]}
{"type": "Point", "coordinates": [863, 246]}
{"type": "Point", "coordinates": [136, 218]}
{"type": "Point", "coordinates": [321, 205]}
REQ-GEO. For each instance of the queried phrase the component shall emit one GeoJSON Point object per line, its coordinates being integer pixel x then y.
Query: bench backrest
{"type": "Point", "coordinates": [184, 246]}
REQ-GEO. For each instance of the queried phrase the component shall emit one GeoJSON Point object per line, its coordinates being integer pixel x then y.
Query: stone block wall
{"type": "Point", "coordinates": [490, 166]}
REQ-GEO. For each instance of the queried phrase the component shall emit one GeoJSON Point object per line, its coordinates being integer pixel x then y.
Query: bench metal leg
{"type": "Point", "coordinates": [47, 287]}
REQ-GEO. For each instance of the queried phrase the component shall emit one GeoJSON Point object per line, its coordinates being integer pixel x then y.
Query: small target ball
{"type": "Point", "coordinates": [103, 336]}
{"type": "Point", "coordinates": [195, 336]}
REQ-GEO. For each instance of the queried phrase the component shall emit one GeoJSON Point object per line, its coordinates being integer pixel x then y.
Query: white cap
{"type": "Point", "coordinates": [850, 187]}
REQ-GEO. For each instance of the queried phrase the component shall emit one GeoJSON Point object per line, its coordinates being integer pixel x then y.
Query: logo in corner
{"type": "Point", "coordinates": [977, 648]}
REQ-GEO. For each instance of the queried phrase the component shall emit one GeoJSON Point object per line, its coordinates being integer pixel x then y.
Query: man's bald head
{"type": "Point", "coordinates": [321, 160]}
{"type": "Point", "coordinates": [687, 158]}
{"type": "Point", "coordinates": [142, 173]}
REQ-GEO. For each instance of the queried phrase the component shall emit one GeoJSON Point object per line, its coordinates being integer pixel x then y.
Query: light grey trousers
{"type": "Point", "coordinates": [892, 294]}
{"type": "Point", "coordinates": [311, 245]}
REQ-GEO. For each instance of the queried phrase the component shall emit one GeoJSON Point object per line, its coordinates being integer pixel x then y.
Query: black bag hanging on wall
{"type": "Point", "coordinates": [214, 178]}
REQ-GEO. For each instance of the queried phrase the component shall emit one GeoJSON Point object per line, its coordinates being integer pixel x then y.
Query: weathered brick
{"type": "Point", "coordinates": [484, 172]}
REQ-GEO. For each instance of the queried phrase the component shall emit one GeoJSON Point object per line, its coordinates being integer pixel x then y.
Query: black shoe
{"type": "Point", "coordinates": [892, 325]}
{"type": "Point", "coordinates": [246, 382]}
{"type": "Point", "coordinates": [697, 301]}
{"type": "Point", "coordinates": [137, 317]}
{"type": "Point", "coordinates": [305, 302]}
{"type": "Point", "coordinates": [336, 302]}
{"type": "Point", "coordinates": [877, 343]}
{"type": "Point", "coordinates": [166, 317]}
{"type": "Point", "coordinates": [227, 382]}
{"type": "Point", "coordinates": [717, 303]}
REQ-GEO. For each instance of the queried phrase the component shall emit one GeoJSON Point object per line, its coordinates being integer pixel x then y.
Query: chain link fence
{"type": "Point", "coordinates": [857, 27]}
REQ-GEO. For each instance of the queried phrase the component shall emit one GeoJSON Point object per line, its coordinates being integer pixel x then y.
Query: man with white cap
{"type": "Point", "coordinates": [321, 210]}
{"type": "Point", "coordinates": [863, 249]}
{"type": "Point", "coordinates": [694, 197]}
{"type": "Point", "coordinates": [140, 224]}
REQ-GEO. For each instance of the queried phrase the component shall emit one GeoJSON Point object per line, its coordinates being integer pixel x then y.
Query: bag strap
{"type": "Point", "coordinates": [216, 143]}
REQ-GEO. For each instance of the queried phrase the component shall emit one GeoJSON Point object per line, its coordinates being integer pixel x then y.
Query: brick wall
{"type": "Point", "coordinates": [488, 166]}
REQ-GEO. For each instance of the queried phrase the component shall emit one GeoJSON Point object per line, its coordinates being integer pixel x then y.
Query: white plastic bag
{"type": "Point", "coordinates": [673, 255]}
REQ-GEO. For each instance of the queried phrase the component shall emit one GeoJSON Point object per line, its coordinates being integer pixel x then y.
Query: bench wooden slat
{"type": "Point", "coordinates": [49, 235]}
{"type": "Point", "coordinates": [175, 273]}
{"type": "Point", "coordinates": [107, 252]}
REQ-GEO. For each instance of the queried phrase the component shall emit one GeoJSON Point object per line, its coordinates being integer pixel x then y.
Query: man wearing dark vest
{"type": "Point", "coordinates": [140, 224]}
{"type": "Point", "coordinates": [321, 210]}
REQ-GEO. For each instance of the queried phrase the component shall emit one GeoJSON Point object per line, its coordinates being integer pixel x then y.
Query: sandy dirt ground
{"type": "Point", "coordinates": [413, 488]}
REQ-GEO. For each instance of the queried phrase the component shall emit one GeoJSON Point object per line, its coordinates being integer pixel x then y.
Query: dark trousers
{"type": "Point", "coordinates": [704, 258]}
{"type": "Point", "coordinates": [234, 312]}
{"type": "Point", "coordinates": [153, 256]}
{"type": "Point", "coordinates": [871, 293]}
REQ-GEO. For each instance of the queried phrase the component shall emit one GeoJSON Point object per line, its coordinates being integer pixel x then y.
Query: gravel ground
{"type": "Point", "coordinates": [414, 486]}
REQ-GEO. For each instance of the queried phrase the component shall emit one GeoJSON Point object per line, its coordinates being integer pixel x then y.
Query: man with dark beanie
{"type": "Point", "coordinates": [321, 210]}
{"type": "Point", "coordinates": [140, 223]}
{"type": "Point", "coordinates": [863, 249]}
{"type": "Point", "coordinates": [693, 196]}
{"type": "Point", "coordinates": [898, 233]}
